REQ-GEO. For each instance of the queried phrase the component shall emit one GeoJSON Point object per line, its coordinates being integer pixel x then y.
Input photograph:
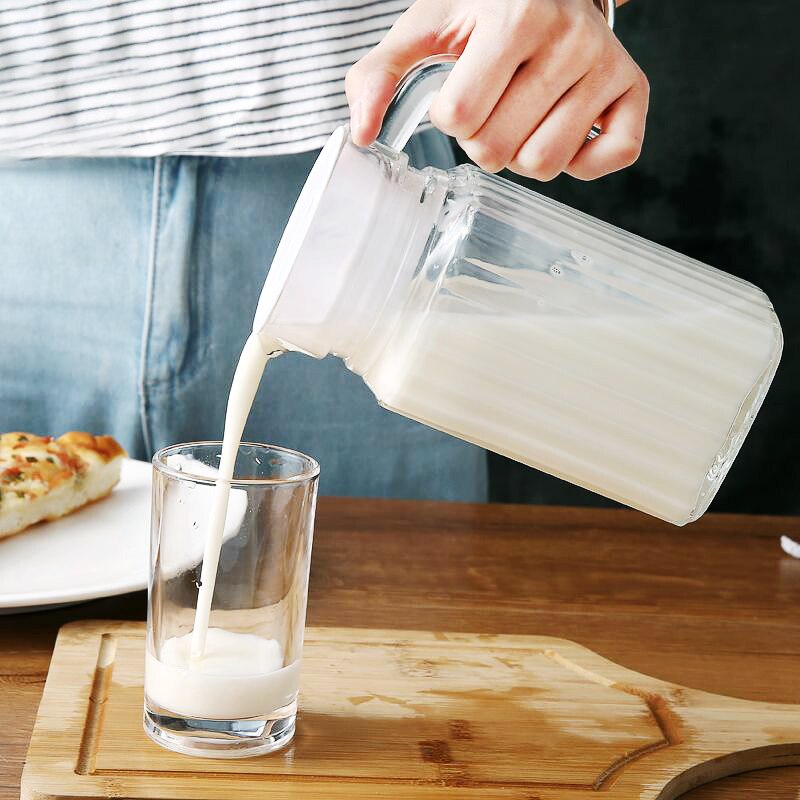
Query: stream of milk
{"type": "Point", "coordinates": [249, 370]}
{"type": "Point", "coordinates": [213, 673]}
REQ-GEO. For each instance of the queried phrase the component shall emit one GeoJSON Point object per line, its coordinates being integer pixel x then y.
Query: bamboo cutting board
{"type": "Point", "coordinates": [406, 714]}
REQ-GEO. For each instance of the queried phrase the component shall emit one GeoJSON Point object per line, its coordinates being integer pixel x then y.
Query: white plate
{"type": "Point", "coordinates": [99, 551]}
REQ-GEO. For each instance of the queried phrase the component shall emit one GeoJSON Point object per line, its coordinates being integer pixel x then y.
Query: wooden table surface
{"type": "Point", "coordinates": [715, 605]}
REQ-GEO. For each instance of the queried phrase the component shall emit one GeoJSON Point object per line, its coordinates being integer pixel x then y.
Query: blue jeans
{"type": "Point", "coordinates": [127, 289]}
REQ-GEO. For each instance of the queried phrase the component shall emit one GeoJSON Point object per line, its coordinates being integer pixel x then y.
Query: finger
{"type": "Point", "coordinates": [369, 105]}
{"type": "Point", "coordinates": [478, 80]}
{"type": "Point", "coordinates": [621, 141]}
{"type": "Point", "coordinates": [371, 82]}
{"type": "Point", "coordinates": [556, 141]}
{"type": "Point", "coordinates": [535, 89]}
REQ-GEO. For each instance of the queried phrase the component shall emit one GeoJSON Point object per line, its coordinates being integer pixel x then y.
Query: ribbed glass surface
{"type": "Point", "coordinates": [569, 345]}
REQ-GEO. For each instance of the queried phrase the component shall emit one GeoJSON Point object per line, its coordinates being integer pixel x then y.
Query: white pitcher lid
{"type": "Point", "coordinates": [300, 221]}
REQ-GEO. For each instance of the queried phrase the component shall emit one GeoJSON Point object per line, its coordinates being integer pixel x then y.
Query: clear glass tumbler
{"type": "Point", "coordinates": [240, 697]}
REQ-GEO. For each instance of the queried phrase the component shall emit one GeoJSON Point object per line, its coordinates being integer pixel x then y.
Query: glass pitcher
{"type": "Point", "coordinates": [492, 313]}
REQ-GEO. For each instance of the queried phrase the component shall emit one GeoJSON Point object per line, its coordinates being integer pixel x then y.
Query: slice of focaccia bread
{"type": "Point", "coordinates": [45, 478]}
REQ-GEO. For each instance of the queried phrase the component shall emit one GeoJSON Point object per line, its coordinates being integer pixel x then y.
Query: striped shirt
{"type": "Point", "coordinates": [134, 77]}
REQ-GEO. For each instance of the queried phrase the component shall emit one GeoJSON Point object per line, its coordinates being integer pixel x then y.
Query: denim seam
{"type": "Point", "coordinates": [147, 324]}
{"type": "Point", "coordinates": [198, 345]}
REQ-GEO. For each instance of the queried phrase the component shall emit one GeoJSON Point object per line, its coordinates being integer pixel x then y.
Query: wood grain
{"type": "Point", "coordinates": [712, 606]}
{"type": "Point", "coordinates": [413, 714]}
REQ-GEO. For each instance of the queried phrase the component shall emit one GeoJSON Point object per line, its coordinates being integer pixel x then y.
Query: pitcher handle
{"type": "Point", "coordinates": [413, 98]}
{"type": "Point", "coordinates": [418, 87]}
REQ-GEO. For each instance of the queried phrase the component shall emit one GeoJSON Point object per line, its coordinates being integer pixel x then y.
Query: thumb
{"type": "Point", "coordinates": [371, 82]}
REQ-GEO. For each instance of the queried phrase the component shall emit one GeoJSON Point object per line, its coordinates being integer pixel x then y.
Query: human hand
{"type": "Point", "coordinates": [532, 78]}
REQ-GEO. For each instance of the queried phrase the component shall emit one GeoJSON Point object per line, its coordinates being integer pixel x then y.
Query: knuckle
{"type": "Point", "coordinates": [352, 79]}
{"type": "Point", "coordinates": [356, 75]}
{"type": "Point", "coordinates": [636, 80]}
{"type": "Point", "coordinates": [584, 175]}
{"type": "Point", "coordinates": [562, 20]}
{"type": "Point", "coordinates": [582, 27]}
{"type": "Point", "coordinates": [452, 116]}
{"type": "Point", "coordinates": [586, 47]}
{"type": "Point", "coordinates": [596, 55]}
{"type": "Point", "coordinates": [539, 163]}
{"type": "Point", "coordinates": [486, 154]}
{"type": "Point", "coordinates": [643, 84]}
{"type": "Point", "coordinates": [628, 150]}
{"type": "Point", "coordinates": [523, 16]}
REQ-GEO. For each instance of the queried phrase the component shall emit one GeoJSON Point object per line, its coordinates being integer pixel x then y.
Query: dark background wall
{"type": "Point", "coordinates": [718, 180]}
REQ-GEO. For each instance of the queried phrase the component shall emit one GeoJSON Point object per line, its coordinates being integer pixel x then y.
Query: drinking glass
{"type": "Point", "coordinates": [239, 698]}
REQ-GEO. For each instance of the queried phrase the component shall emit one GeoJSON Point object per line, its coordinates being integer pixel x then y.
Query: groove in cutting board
{"type": "Point", "coordinates": [97, 704]}
{"type": "Point", "coordinates": [414, 714]}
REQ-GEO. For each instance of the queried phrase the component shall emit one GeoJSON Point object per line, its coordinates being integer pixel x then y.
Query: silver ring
{"type": "Point", "coordinates": [609, 11]}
